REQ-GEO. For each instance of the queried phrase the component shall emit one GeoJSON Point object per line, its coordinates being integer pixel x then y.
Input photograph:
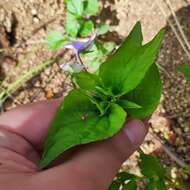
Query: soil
{"type": "Point", "coordinates": [25, 23]}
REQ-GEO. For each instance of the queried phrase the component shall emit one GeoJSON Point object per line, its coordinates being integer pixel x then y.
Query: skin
{"type": "Point", "coordinates": [89, 167]}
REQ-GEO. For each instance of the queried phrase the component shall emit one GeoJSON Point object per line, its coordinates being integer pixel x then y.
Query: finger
{"type": "Point", "coordinates": [95, 165]}
{"type": "Point", "coordinates": [31, 121]}
{"type": "Point", "coordinates": [17, 144]}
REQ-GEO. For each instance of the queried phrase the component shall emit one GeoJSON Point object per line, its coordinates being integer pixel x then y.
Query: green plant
{"type": "Point", "coordinates": [80, 24]}
{"type": "Point", "coordinates": [185, 69]}
{"type": "Point", "coordinates": [127, 83]}
{"type": "Point", "coordinates": [153, 176]}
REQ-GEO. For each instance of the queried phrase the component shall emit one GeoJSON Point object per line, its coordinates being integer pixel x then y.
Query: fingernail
{"type": "Point", "coordinates": [136, 131]}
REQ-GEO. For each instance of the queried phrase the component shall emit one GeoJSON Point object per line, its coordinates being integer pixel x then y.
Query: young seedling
{"type": "Point", "coordinates": [127, 84]}
{"type": "Point", "coordinates": [79, 24]}
{"type": "Point", "coordinates": [153, 173]}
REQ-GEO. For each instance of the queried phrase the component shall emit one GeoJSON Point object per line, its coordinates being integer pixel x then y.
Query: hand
{"type": "Point", "coordinates": [89, 167]}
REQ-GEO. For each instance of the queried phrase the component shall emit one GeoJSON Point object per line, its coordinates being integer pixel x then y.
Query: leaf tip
{"type": "Point", "coordinates": [138, 30]}
{"type": "Point", "coordinates": [160, 35]}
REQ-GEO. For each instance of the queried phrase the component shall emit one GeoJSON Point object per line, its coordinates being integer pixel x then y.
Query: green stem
{"type": "Point", "coordinates": [23, 79]}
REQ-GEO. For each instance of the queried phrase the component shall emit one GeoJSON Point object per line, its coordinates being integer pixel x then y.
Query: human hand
{"type": "Point", "coordinates": [88, 167]}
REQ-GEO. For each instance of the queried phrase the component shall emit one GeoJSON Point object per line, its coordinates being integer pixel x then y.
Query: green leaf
{"type": "Point", "coordinates": [87, 28]}
{"type": "Point", "coordinates": [185, 69]}
{"type": "Point", "coordinates": [187, 168]}
{"type": "Point", "coordinates": [160, 185]}
{"type": "Point", "coordinates": [55, 40]}
{"type": "Point", "coordinates": [77, 122]}
{"type": "Point", "coordinates": [129, 105]}
{"type": "Point", "coordinates": [98, 54]}
{"type": "Point", "coordinates": [72, 25]}
{"type": "Point", "coordinates": [123, 176]}
{"type": "Point", "coordinates": [109, 46]}
{"type": "Point", "coordinates": [115, 185]}
{"type": "Point", "coordinates": [151, 167]}
{"type": "Point", "coordinates": [75, 7]}
{"type": "Point", "coordinates": [150, 186]}
{"type": "Point", "coordinates": [103, 29]}
{"type": "Point", "coordinates": [147, 94]}
{"type": "Point", "coordinates": [93, 58]}
{"type": "Point", "coordinates": [127, 67]}
{"type": "Point", "coordinates": [100, 105]}
{"type": "Point", "coordinates": [91, 7]}
{"type": "Point", "coordinates": [86, 80]}
{"type": "Point", "coordinates": [131, 185]}
{"type": "Point", "coordinates": [111, 70]}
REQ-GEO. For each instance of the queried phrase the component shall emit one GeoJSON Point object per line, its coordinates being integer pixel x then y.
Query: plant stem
{"type": "Point", "coordinates": [80, 61]}
{"type": "Point", "coordinates": [27, 76]}
{"type": "Point", "coordinates": [167, 150]}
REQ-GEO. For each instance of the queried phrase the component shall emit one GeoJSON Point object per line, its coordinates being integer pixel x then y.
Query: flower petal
{"type": "Point", "coordinates": [79, 45]}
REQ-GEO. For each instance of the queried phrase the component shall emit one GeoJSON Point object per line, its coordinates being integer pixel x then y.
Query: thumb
{"type": "Point", "coordinates": [97, 163]}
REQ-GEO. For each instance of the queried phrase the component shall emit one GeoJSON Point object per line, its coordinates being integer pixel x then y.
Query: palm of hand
{"type": "Point", "coordinates": [22, 132]}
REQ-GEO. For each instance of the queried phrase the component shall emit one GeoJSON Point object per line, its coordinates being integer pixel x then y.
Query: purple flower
{"type": "Point", "coordinates": [81, 45]}
{"type": "Point", "coordinates": [78, 46]}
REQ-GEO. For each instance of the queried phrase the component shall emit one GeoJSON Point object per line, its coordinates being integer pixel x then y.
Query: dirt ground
{"type": "Point", "coordinates": [25, 23]}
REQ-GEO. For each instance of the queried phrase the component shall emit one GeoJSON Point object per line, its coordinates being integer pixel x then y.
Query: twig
{"type": "Point", "coordinates": [167, 150]}
{"type": "Point", "coordinates": [164, 70]}
{"type": "Point", "coordinates": [178, 24]}
{"type": "Point", "coordinates": [173, 29]}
